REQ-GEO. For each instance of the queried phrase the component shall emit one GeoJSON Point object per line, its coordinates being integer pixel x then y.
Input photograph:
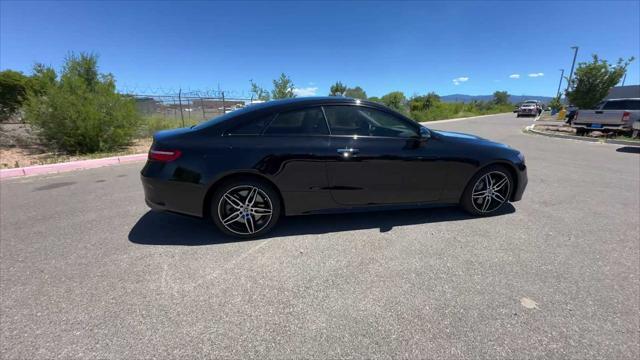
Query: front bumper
{"type": "Point", "coordinates": [522, 181]}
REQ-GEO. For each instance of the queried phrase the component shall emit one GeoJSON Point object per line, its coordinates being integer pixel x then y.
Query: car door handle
{"type": "Point", "coordinates": [348, 151]}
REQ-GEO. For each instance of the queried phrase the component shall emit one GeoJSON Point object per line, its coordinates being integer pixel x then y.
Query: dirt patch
{"type": "Point", "coordinates": [20, 147]}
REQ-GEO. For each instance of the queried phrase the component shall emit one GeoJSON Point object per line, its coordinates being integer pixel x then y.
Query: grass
{"type": "Point", "coordinates": [155, 123]}
{"type": "Point", "coordinates": [443, 111]}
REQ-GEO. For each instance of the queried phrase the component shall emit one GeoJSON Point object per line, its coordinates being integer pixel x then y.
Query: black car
{"type": "Point", "coordinates": [247, 168]}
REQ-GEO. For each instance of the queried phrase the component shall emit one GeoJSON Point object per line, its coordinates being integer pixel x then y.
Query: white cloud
{"type": "Point", "coordinates": [459, 80]}
{"type": "Point", "coordinates": [536, 74]}
{"type": "Point", "coordinates": [515, 76]}
{"type": "Point", "coordinates": [308, 91]}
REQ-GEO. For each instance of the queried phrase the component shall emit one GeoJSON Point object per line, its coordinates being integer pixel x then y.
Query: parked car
{"type": "Point", "coordinates": [530, 107]}
{"type": "Point", "coordinates": [609, 115]}
{"type": "Point", "coordinates": [316, 155]}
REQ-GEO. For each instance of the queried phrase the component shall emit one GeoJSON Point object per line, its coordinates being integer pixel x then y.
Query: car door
{"type": "Point", "coordinates": [379, 158]}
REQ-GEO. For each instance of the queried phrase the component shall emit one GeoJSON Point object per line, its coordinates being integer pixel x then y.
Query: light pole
{"type": "Point", "coordinates": [560, 84]}
{"type": "Point", "coordinates": [575, 54]}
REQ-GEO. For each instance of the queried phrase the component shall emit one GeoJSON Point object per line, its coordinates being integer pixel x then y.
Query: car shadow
{"type": "Point", "coordinates": [158, 228]}
{"type": "Point", "coordinates": [629, 149]}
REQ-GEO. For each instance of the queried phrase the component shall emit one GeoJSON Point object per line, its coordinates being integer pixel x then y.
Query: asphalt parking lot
{"type": "Point", "coordinates": [87, 271]}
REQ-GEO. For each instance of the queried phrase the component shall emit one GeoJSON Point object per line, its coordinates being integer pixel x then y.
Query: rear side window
{"type": "Point", "coordinates": [622, 105]}
{"type": "Point", "coordinates": [251, 127]}
{"type": "Point", "coordinates": [363, 121]}
{"type": "Point", "coordinates": [299, 122]}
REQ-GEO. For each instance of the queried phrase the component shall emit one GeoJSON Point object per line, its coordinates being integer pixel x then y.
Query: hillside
{"type": "Point", "coordinates": [513, 98]}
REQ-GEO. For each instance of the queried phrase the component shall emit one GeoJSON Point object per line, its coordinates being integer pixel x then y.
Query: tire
{"type": "Point", "coordinates": [474, 201]}
{"type": "Point", "coordinates": [245, 208]}
{"type": "Point", "coordinates": [517, 115]}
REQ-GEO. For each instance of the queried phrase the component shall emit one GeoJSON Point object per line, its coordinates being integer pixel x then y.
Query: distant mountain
{"type": "Point", "coordinates": [513, 98]}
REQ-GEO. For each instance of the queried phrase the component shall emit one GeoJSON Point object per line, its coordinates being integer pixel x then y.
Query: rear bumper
{"type": "Point", "coordinates": [622, 127]}
{"type": "Point", "coordinates": [174, 196]}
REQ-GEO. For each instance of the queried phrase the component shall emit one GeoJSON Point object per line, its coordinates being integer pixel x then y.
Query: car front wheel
{"type": "Point", "coordinates": [487, 191]}
{"type": "Point", "coordinates": [245, 208]}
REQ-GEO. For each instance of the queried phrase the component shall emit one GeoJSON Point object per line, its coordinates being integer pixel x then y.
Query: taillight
{"type": "Point", "coordinates": [626, 116]}
{"type": "Point", "coordinates": [164, 155]}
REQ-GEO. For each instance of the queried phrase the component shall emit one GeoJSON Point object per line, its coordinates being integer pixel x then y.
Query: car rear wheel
{"type": "Point", "coordinates": [245, 208]}
{"type": "Point", "coordinates": [487, 191]}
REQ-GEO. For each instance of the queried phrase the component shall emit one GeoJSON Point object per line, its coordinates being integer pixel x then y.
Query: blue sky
{"type": "Point", "coordinates": [415, 47]}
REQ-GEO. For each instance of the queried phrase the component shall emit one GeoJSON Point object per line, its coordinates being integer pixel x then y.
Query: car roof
{"type": "Point", "coordinates": [310, 100]}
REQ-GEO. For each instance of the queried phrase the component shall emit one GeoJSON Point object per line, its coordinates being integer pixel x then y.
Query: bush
{"type": "Point", "coordinates": [82, 113]}
{"type": "Point", "coordinates": [13, 90]}
{"type": "Point", "coordinates": [555, 104]}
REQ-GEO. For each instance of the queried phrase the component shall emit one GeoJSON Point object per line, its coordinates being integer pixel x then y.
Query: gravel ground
{"type": "Point", "coordinates": [87, 272]}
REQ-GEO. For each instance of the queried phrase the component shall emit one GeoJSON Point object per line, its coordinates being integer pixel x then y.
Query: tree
{"type": "Point", "coordinates": [356, 93]}
{"type": "Point", "coordinates": [394, 100]}
{"type": "Point", "coordinates": [423, 102]}
{"type": "Point", "coordinates": [555, 104]}
{"type": "Point", "coordinates": [593, 80]}
{"type": "Point", "coordinates": [501, 98]}
{"type": "Point", "coordinates": [375, 99]}
{"type": "Point", "coordinates": [259, 92]}
{"type": "Point", "coordinates": [13, 91]}
{"type": "Point", "coordinates": [282, 88]}
{"type": "Point", "coordinates": [81, 112]}
{"type": "Point", "coordinates": [42, 79]}
{"type": "Point", "coordinates": [337, 89]}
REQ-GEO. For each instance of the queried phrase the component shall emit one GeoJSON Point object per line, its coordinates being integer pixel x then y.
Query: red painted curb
{"type": "Point", "coordinates": [69, 166]}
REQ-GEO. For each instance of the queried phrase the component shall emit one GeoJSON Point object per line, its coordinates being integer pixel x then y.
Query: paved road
{"type": "Point", "coordinates": [87, 271]}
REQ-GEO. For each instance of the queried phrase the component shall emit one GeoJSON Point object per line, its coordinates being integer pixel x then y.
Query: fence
{"type": "Point", "coordinates": [187, 109]}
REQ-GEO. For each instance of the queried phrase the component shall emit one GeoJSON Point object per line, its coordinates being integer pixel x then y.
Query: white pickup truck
{"type": "Point", "coordinates": [612, 114]}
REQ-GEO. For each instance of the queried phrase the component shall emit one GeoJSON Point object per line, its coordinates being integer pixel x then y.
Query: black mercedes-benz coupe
{"type": "Point", "coordinates": [247, 168]}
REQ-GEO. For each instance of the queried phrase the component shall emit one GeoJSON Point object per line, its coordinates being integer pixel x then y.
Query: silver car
{"type": "Point", "coordinates": [529, 108]}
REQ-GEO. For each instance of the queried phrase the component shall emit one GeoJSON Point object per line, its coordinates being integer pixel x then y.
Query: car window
{"type": "Point", "coordinates": [622, 105]}
{"type": "Point", "coordinates": [251, 127]}
{"type": "Point", "coordinates": [363, 121]}
{"type": "Point", "coordinates": [300, 122]}
{"type": "Point", "coordinates": [613, 105]}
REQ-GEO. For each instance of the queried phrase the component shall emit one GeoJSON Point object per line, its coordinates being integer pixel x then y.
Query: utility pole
{"type": "Point", "coordinates": [624, 78]}
{"type": "Point", "coordinates": [180, 104]}
{"type": "Point", "coordinates": [575, 54]}
{"type": "Point", "coordinates": [560, 84]}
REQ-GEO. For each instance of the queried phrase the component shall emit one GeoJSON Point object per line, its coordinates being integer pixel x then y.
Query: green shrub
{"type": "Point", "coordinates": [81, 112]}
{"type": "Point", "coordinates": [13, 90]}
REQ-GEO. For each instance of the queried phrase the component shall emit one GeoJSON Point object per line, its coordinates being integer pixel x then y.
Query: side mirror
{"type": "Point", "coordinates": [425, 133]}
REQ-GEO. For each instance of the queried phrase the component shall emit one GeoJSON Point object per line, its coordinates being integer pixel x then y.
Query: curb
{"type": "Point", "coordinates": [460, 119]}
{"type": "Point", "coordinates": [530, 129]}
{"type": "Point", "coordinates": [70, 166]}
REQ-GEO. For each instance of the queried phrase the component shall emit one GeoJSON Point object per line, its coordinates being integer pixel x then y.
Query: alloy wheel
{"type": "Point", "coordinates": [245, 210]}
{"type": "Point", "coordinates": [490, 192]}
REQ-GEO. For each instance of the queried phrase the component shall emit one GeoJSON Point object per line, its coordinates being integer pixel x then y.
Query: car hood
{"type": "Point", "coordinates": [467, 138]}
